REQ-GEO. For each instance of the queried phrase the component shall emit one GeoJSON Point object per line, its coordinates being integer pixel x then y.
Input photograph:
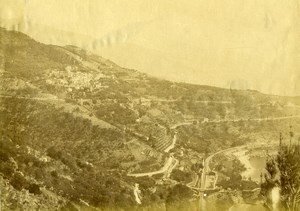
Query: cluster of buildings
{"type": "Point", "coordinates": [72, 79]}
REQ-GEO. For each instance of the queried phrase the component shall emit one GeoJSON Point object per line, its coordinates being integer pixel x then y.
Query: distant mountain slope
{"type": "Point", "coordinates": [75, 124]}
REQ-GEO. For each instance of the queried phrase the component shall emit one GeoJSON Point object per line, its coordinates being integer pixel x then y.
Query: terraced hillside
{"type": "Point", "coordinates": [73, 124]}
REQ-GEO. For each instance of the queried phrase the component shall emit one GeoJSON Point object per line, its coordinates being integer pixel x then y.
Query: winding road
{"type": "Point", "coordinates": [206, 168]}
{"type": "Point", "coordinates": [173, 161]}
{"type": "Point", "coordinates": [167, 166]}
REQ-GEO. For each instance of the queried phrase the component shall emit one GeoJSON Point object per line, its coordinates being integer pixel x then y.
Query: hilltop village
{"type": "Point", "coordinates": [80, 132]}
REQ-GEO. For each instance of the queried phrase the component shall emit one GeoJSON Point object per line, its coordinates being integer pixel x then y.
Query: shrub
{"type": "Point", "coordinates": [19, 182]}
{"type": "Point", "coordinates": [6, 169]}
{"type": "Point", "coordinates": [180, 176]}
{"type": "Point", "coordinates": [34, 188]}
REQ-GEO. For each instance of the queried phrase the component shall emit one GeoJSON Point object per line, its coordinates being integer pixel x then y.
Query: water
{"type": "Point", "coordinates": [258, 165]}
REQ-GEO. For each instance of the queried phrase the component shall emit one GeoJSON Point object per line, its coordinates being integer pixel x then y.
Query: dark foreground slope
{"type": "Point", "coordinates": [74, 124]}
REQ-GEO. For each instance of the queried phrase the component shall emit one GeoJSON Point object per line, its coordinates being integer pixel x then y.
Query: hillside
{"type": "Point", "coordinates": [74, 125]}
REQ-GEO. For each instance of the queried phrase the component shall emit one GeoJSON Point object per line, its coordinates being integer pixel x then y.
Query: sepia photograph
{"type": "Point", "coordinates": [149, 105]}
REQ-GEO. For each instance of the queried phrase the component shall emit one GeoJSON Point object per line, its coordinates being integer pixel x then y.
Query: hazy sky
{"type": "Point", "coordinates": [239, 43]}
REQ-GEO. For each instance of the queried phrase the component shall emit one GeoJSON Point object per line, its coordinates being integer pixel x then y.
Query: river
{"type": "Point", "coordinates": [258, 165]}
{"type": "Point", "coordinates": [255, 165]}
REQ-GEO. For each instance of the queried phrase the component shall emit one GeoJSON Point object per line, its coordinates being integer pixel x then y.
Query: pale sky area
{"type": "Point", "coordinates": [243, 44]}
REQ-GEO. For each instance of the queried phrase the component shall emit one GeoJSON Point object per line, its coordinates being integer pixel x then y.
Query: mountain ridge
{"type": "Point", "coordinates": [76, 124]}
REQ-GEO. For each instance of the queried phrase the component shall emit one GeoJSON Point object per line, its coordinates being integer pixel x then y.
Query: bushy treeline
{"type": "Point", "coordinates": [281, 187]}
{"type": "Point", "coordinates": [84, 158]}
{"type": "Point", "coordinates": [210, 137]}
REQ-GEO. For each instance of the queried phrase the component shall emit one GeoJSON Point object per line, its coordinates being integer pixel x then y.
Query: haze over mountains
{"type": "Point", "coordinates": [202, 42]}
{"type": "Point", "coordinates": [78, 129]}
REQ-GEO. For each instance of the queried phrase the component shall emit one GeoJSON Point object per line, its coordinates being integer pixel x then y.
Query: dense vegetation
{"type": "Point", "coordinates": [74, 124]}
{"type": "Point", "coordinates": [74, 169]}
{"type": "Point", "coordinates": [230, 175]}
{"type": "Point", "coordinates": [282, 180]}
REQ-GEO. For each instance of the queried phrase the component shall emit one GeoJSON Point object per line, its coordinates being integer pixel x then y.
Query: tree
{"type": "Point", "coordinates": [178, 193]}
{"type": "Point", "coordinates": [271, 180]}
{"type": "Point", "coordinates": [284, 172]}
{"type": "Point", "coordinates": [181, 176]}
{"type": "Point", "coordinates": [34, 188]}
{"type": "Point", "coordinates": [18, 181]}
{"type": "Point", "coordinates": [178, 198]}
